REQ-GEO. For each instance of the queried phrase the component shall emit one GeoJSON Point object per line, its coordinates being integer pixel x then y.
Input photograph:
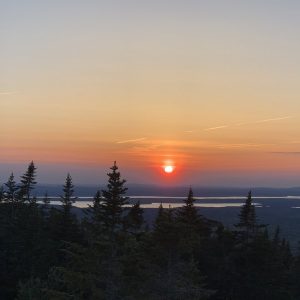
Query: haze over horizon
{"type": "Point", "coordinates": [211, 87]}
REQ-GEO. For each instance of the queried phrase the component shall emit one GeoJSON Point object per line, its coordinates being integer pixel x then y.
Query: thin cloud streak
{"type": "Point", "coordinates": [233, 146]}
{"type": "Point", "coordinates": [5, 93]}
{"type": "Point", "coordinates": [215, 128]}
{"type": "Point", "coordinates": [286, 152]}
{"type": "Point", "coordinates": [131, 141]}
{"type": "Point", "coordinates": [264, 121]}
{"type": "Point", "coordinates": [242, 124]}
{"type": "Point", "coordinates": [274, 119]}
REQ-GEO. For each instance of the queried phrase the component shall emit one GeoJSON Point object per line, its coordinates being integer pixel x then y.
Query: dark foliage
{"type": "Point", "coordinates": [27, 183]}
{"type": "Point", "coordinates": [47, 253]}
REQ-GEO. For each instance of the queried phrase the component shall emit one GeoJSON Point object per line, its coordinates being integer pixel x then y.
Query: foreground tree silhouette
{"type": "Point", "coordinates": [95, 209]}
{"type": "Point", "coordinates": [48, 257]}
{"type": "Point", "coordinates": [93, 222]}
{"type": "Point", "coordinates": [134, 221]}
{"type": "Point", "coordinates": [10, 194]}
{"type": "Point", "coordinates": [189, 220]}
{"type": "Point", "coordinates": [176, 271]}
{"type": "Point", "coordinates": [113, 201]}
{"type": "Point", "coordinates": [188, 213]}
{"type": "Point", "coordinates": [1, 193]}
{"type": "Point", "coordinates": [165, 231]}
{"type": "Point", "coordinates": [256, 267]}
{"type": "Point", "coordinates": [68, 198]}
{"type": "Point", "coordinates": [113, 216]}
{"type": "Point", "coordinates": [247, 228]}
{"type": "Point", "coordinates": [27, 183]}
{"type": "Point", "coordinates": [94, 270]}
{"type": "Point", "coordinates": [63, 224]}
{"type": "Point", "coordinates": [11, 189]}
{"type": "Point", "coordinates": [21, 234]}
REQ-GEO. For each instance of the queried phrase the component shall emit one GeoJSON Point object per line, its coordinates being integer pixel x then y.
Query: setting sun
{"type": "Point", "coordinates": [169, 169]}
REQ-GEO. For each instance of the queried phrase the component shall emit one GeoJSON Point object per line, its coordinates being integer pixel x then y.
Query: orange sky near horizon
{"type": "Point", "coordinates": [214, 88]}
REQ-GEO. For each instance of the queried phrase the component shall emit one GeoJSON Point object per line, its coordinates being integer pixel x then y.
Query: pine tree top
{"type": "Point", "coordinates": [97, 199]}
{"type": "Point", "coordinates": [28, 182]}
{"type": "Point", "coordinates": [11, 189]}
{"type": "Point", "coordinates": [188, 213]}
{"type": "Point", "coordinates": [115, 188]}
{"type": "Point", "coordinates": [114, 200]}
{"type": "Point", "coordinates": [11, 182]}
{"type": "Point", "coordinates": [68, 197]}
{"type": "Point", "coordinates": [30, 174]}
{"type": "Point", "coordinates": [115, 184]}
{"type": "Point", "coordinates": [247, 214]}
{"type": "Point", "coordinates": [189, 201]}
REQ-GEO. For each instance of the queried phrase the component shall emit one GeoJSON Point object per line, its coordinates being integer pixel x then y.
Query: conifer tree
{"type": "Point", "coordinates": [68, 197]}
{"type": "Point", "coordinates": [1, 193]}
{"type": "Point", "coordinates": [95, 209]}
{"type": "Point", "coordinates": [188, 213]}
{"type": "Point", "coordinates": [11, 189]}
{"type": "Point", "coordinates": [247, 214]}
{"type": "Point", "coordinates": [134, 220]}
{"type": "Point", "coordinates": [93, 223]}
{"type": "Point", "coordinates": [114, 200]}
{"type": "Point", "coordinates": [113, 218]}
{"type": "Point", "coordinates": [247, 228]}
{"type": "Point", "coordinates": [188, 216]}
{"type": "Point", "coordinates": [97, 200]}
{"type": "Point", "coordinates": [165, 231]}
{"type": "Point", "coordinates": [192, 228]}
{"type": "Point", "coordinates": [27, 183]}
{"type": "Point", "coordinates": [159, 217]}
{"type": "Point", "coordinates": [10, 194]}
{"type": "Point", "coordinates": [176, 277]}
{"type": "Point", "coordinates": [62, 222]}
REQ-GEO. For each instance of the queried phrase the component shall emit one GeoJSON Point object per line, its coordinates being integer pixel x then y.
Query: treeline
{"type": "Point", "coordinates": [46, 252]}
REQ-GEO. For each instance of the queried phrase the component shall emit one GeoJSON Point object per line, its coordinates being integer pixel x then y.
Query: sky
{"type": "Point", "coordinates": [210, 87]}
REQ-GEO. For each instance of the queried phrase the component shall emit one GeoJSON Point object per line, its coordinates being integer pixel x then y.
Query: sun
{"type": "Point", "coordinates": [169, 169]}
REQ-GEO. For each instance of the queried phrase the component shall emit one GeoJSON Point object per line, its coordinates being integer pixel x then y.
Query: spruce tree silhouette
{"type": "Point", "coordinates": [114, 200]}
{"type": "Point", "coordinates": [27, 183]}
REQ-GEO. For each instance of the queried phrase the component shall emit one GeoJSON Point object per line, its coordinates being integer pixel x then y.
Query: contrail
{"type": "Point", "coordinates": [131, 141]}
{"type": "Point", "coordinates": [273, 119]}
{"type": "Point", "coordinates": [215, 128]}
{"type": "Point", "coordinates": [7, 93]}
{"type": "Point", "coordinates": [246, 123]}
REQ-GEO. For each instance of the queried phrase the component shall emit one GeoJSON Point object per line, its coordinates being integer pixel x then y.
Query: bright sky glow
{"type": "Point", "coordinates": [212, 85]}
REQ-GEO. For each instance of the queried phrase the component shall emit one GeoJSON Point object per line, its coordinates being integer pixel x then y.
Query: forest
{"type": "Point", "coordinates": [47, 252]}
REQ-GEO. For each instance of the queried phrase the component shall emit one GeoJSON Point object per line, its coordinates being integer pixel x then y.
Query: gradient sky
{"type": "Point", "coordinates": [212, 86]}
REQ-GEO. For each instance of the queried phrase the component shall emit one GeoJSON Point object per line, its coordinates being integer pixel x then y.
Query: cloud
{"type": "Point", "coordinates": [233, 146]}
{"type": "Point", "coordinates": [286, 152]}
{"type": "Point", "coordinates": [249, 123]}
{"type": "Point", "coordinates": [273, 119]}
{"type": "Point", "coordinates": [215, 128]}
{"type": "Point", "coordinates": [131, 141]}
{"type": "Point", "coordinates": [6, 93]}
